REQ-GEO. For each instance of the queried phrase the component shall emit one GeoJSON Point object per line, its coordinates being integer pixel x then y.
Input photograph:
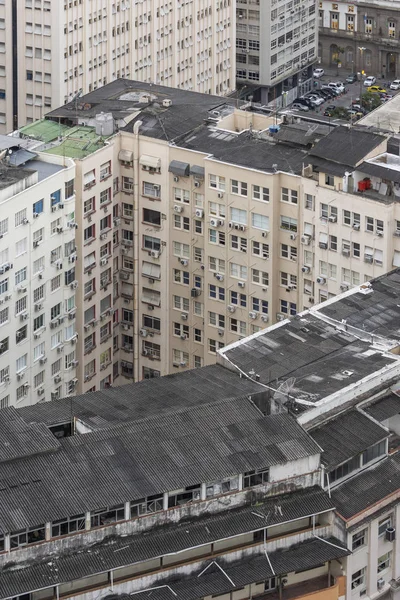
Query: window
{"type": "Point", "coordinates": [259, 249]}
{"type": "Point", "coordinates": [20, 276]}
{"type": "Point", "coordinates": [260, 277]}
{"type": "Point", "coordinates": [216, 319]}
{"type": "Point", "coordinates": [288, 195]}
{"type": "Point", "coordinates": [238, 271]}
{"type": "Point", "coordinates": [288, 224]}
{"type": "Point", "coordinates": [238, 187]}
{"type": "Point", "coordinates": [181, 222]}
{"type": "Point", "coordinates": [329, 180]}
{"type": "Point", "coordinates": [89, 206]}
{"type": "Point", "coordinates": [217, 182]}
{"type": "Point", "coordinates": [181, 195]}
{"type": "Point", "coordinates": [216, 237]}
{"type": "Point", "coordinates": [38, 322]}
{"type": "Point", "coordinates": [217, 210]}
{"type": "Point", "coordinates": [181, 277]}
{"type": "Point", "coordinates": [288, 308]}
{"type": "Point", "coordinates": [358, 578]}
{"type": "Point", "coordinates": [150, 190]}
{"type": "Point", "coordinates": [214, 345]}
{"type": "Point", "coordinates": [257, 477]}
{"type": "Point", "coordinates": [89, 179]}
{"type": "Point", "coordinates": [181, 303]}
{"type": "Point", "coordinates": [259, 305]}
{"type": "Point", "coordinates": [239, 216]}
{"type": "Point", "coordinates": [69, 190]}
{"type": "Point", "coordinates": [21, 363]}
{"type": "Point", "coordinates": [181, 250]}
{"type": "Point", "coordinates": [20, 247]}
{"type": "Point", "coordinates": [181, 330]}
{"type": "Point", "coordinates": [20, 218]}
{"type": "Point", "coordinates": [151, 243]}
{"type": "Point", "coordinates": [104, 516]}
{"type": "Point", "coordinates": [216, 292]}
{"type": "Point", "coordinates": [237, 326]}
{"type": "Point", "coordinates": [359, 539]}
{"type": "Point", "coordinates": [333, 243]}
{"type": "Point", "coordinates": [369, 224]}
{"type": "Point", "coordinates": [239, 299]}
{"type": "Point", "coordinates": [309, 201]}
{"type": "Point", "coordinates": [288, 279]}
{"type": "Point", "coordinates": [238, 243]}
{"type": "Point", "coordinates": [68, 525]}
{"type": "Point", "coordinates": [384, 524]}
{"type": "Point", "coordinates": [105, 170]}
{"type": "Point", "coordinates": [260, 221]}
{"type": "Point", "coordinates": [152, 216]}
{"type": "Point", "coordinates": [288, 252]}
{"type": "Point", "coordinates": [37, 207]}
{"type": "Point", "coordinates": [384, 561]}
{"type": "Point", "coordinates": [33, 535]}
{"type": "Point", "coordinates": [260, 193]}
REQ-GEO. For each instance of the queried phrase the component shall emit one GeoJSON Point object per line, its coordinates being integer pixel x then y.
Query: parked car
{"type": "Point", "coordinates": [355, 114]}
{"type": "Point", "coordinates": [376, 89]}
{"type": "Point", "coordinates": [318, 73]}
{"type": "Point", "coordinates": [312, 95]}
{"type": "Point", "coordinates": [304, 101]}
{"type": "Point", "coordinates": [358, 108]}
{"type": "Point", "coordinates": [395, 85]}
{"type": "Point", "coordinates": [368, 81]}
{"type": "Point", "coordinates": [335, 90]}
{"type": "Point", "coordinates": [336, 85]}
{"type": "Point", "coordinates": [329, 110]}
{"type": "Point", "coordinates": [315, 100]}
{"type": "Point", "coordinates": [299, 106]}
{"type": "Point", "coordinates": [352, 78]}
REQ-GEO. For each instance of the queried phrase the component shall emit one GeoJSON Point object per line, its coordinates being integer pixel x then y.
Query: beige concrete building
{"type": "Point", "coordinates": [199, 226]}
{"type": "Point", "coordinates": [52, 51]}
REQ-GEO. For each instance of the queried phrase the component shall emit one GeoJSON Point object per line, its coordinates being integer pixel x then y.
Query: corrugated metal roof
{"type": "Point", "coordinates": [147, 457]}
{"type": "Point", "coordinates": [368, 487]}
{"type": "Point", "coordinates": [346, 436]}
{"type": "Point", "coordinates": [113, 554]}
{"type": "Point", "coordinates": [384, 408]}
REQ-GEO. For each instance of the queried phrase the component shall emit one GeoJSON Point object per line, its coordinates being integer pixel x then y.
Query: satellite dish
{"type": "Point", "coordinates": [283, 393]}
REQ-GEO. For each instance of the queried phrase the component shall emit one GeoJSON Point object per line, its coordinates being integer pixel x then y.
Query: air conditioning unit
{"type": "Point", "coordinates": [197, 183]}
{"type": "Point", "coordinates": [182, 364]}
{"type": "Point", "coordinates": [220, 194]}
{"type": "Point", "coordinates": [280, 317]}
{"type": "Point", "coordinates": [155, 253]}
{"type": "Point", "coordinates": [117, 221]}
{"type": "Point", "coordinates": [199, 213]}
{"type": "Point", "coordinates": [20, 376]}
{"type": "Point", "coordinates": [368, 258]}
{"type": "Point", "coordinates": [40, 391]}
{"type": "Point", "coordinates": [73, 285]}
{"type": "Point", "coordinates": [380, 583]}
{"type": "Point", "coordinates": [176, 179]}
{"type": "Point", "coordinates": [293, 236]}
{"type": "Point", "coordinates": [253, 315]}
{"type": "Point", "coordinates": [379, 233]}
{"type": "Point", "coordinates": [390, 534]}
{"type": "Point", "coordinates": [25, 221]}
{"type": "Point", "coordinates": [184, 262]}
{"type": "Point", "coordinates": [231, 308]}
{"type": "Point", "coordinates": [356, 226]}
{"type": "Point", "coordinates": [60, 349]}
{"type": "Point", "coordinates": [178, 209]}
{"type": "Point", "coordinates": [344, 286]}
{"type": "Point", "coordinates": [305, 269]}
{"type": "Point", "coordinates": [21, 289]}
{"type": "Point", "coordinates": [305, 239]}
{"type": "Point", "coordinates": [264, 234]}
{"type": "Point", "coordinates": [241, 284]}
{"type": "Point", "coordinates": [23, 316]}
{"type": "Point", "coordinates": [59, 228]}
{"type": "Point", "coordinates": [291, 287]}
{"type": "Point", "coordinates": [38, 306]}
{"type": "Point", "coordinates": [35, 243]}
{"type": "Point", "coordinates": [7, 297]}
{"type": "Point", "coordinates": [321, 280]}
{"type": "Point", "coordinates": [194, 292]}
{"type": "Point", "coordinates": [143, 332]}
{"type": "Point", "coordinates": [332, 219]}
{"type": "Point", "coordinates": [214, 222]}
{"type": "Point", "coordinates": [57, 379]}
{"type": "Point", "coordinates": [346, 251]}
{"type": "Point", "coordinates": [264, 318]}
{"type": "Point", "coordinates": [219, 276]}
{"type": "Point", "coordinates": [397, 233]}
{"type": "Point", "coordinates": [43, 360]}
{"type": "Point", "coordinates": [323, 245]}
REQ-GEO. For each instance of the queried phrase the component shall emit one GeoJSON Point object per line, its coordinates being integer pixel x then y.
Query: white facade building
{"type": "Point", "coordinates": [52, 51]}
{"type": "Point", "coordinates": [37, 301]}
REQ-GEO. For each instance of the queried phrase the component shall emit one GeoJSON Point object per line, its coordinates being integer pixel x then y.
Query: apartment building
{"type": "Point", "coordinates": [199, 226]}
{"type": "Point", "coordinates": [276, 48]}
{"type": "Point", "coordinates": [336, 367]}
{"type": "Point", "coordinates": [37, 296]}
{"type": "Point", "coordinates": [361, 37]}
{"type": "Point", "coordinates": [51, 52]}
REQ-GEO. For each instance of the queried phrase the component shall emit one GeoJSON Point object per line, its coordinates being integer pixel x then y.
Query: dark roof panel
{"type": "Point", "coordinates": [384, 408]}
{"type": "Point", "coordinates": [346, 436]}
{"type": "Point", "coordinates": [368, 487]}
{"type": "Point", "coordinates": [347, 145]}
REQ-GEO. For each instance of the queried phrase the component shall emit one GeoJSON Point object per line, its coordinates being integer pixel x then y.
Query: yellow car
{"type": "Point", "coordinates": [376, 89]}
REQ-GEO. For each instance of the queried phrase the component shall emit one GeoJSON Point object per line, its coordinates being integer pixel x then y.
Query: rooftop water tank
{"type": "Point", "coordinates": [104, 124]}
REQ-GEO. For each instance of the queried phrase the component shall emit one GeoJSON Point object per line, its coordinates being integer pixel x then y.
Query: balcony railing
{"type": "Point", "coordinates": [311, 589]}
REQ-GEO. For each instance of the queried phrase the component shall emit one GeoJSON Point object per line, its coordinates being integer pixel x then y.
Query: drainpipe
{"type": "Point", "coordinates": [136, 246]}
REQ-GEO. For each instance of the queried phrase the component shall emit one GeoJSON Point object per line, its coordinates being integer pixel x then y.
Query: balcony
{"type": "Point", "coordinates": [320, 588]}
